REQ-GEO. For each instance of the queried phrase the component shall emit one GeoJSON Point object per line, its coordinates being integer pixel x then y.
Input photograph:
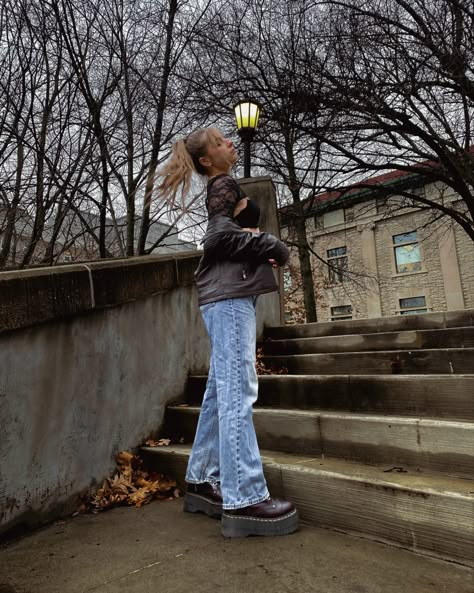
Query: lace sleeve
{"type": "Point", "coordinates": [223, 193]}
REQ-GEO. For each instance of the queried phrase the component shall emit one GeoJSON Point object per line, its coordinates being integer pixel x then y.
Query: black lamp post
{"type": "Point", "coordinates": [247, 113]}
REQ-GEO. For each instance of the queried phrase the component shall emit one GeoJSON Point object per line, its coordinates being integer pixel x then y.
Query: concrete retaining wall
{"type": "Point", "coordinates": [88, 361]}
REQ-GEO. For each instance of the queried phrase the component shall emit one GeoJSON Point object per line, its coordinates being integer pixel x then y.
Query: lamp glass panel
{"type": "Point", "coordinates": [247, 115]}
{"type": "Point", "coordinates": [238, 115]}
{"type": "Point", "coordinates": [254, 112]}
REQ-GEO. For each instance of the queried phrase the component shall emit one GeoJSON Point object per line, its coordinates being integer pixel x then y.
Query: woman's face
{"type": "Point", "coordinates": [221, 154]}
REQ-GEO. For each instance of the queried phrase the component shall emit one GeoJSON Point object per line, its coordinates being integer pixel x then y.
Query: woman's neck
{"type": "Point", "coordinates": [213, 172]}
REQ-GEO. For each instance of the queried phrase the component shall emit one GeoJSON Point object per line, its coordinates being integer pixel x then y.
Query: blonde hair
{"type": "Point", "coordinates": [177, 171]}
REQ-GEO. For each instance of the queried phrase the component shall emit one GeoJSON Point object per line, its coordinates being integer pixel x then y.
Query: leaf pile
{"type": "Point", "coordinates": [159, 443]}
{"type": "Point", "coordinates": [262, 368]}
{"type": "Point", "coordinates": [131, 485]}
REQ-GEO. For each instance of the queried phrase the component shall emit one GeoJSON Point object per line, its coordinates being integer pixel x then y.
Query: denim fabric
{"type": "Point", "coordinates": [225, 448]}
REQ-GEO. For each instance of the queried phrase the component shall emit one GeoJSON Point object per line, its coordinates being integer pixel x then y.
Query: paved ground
{"type": "Point", "coordinates": [160, 549]}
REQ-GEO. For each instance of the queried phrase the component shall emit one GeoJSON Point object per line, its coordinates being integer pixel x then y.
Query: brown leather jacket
{"type": "Point", "coordinates": [235, 262]}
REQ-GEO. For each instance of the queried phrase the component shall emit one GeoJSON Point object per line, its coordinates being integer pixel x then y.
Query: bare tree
{"type": "Point", "coordinates": [401, 75]}
{"type": "Point", "coordinates": [89, 103]}
{"type": "Point", "coordinates": [97, 74]}
{"type": "Point", "coordinates": [17, 88]}
{"type": "Point", "coordinates": [174, 59]}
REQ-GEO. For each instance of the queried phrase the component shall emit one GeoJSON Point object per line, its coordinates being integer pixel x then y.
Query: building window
{"type": "Point", "coordinates": [342, 312]}
{"type": "Point", "coordinates": [337, 260]}
{"type": "Point", "coordinates": [407, 253]}
{"type": "Point", "coordinates": [413, 305]}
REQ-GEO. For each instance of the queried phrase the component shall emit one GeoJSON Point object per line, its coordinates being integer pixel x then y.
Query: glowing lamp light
{"type": "Point", "coordinates": [247, 114]}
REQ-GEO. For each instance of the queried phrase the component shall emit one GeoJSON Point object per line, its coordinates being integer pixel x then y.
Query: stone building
{"type": "Point", "coordinates": [384, 255]}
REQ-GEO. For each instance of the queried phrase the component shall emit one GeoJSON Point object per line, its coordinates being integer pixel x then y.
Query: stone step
{"type": "Point", "coordinates": [378, 325]}
{"type": "Point", "coordinates": [407, 362]}
{"type": "Point", "coordinates": [426, 514]}
{"type": "Point", "coordinates": [462, 337]}
{"type": "Point", "coordinates": [436, 396]}
{"type": "Point", "coordinates": [421, 444]}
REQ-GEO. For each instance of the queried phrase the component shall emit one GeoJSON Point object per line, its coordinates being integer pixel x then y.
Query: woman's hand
{"type": "Point", "coordinates": [257, 230]}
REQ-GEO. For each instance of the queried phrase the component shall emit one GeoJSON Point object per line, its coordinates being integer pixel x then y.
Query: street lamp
{"type": "Point", "coordinates": [247, 113]}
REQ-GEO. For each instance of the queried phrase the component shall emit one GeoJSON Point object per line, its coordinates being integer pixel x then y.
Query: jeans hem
{"type": "Point", "coordinates": [213, 482]}
{"type": "Point", "coordinates": [242, 505]}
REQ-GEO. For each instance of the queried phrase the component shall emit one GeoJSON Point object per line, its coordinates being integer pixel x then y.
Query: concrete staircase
{"type": "Point", "coordinates": [370, 433]}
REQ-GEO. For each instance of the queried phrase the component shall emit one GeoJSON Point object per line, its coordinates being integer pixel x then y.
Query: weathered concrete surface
{"type": "Point", "coordinates": [440, 446]}
{"type": "Point", "coordinates": [407, 362]}
{"type": "Point", "coordinates": [384, 324]}
{"type": "Point", "coordinates": [40, 295]}
{"type": "Point", "coordinates": [262, 191]}
{"type": "Point", "coordinates": [432, 396]}
{"type": "Point", "coordinates": [421, 512]}
{"type": "Point", "coordinates": [459, 337]}
{"type": "Point", "coordinates": [75, 392]}
{"type": "Point", "coordinates": [161, 549]}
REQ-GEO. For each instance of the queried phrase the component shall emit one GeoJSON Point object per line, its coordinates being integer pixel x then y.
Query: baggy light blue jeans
{"type": "Point", "coordinates": [225, 448]}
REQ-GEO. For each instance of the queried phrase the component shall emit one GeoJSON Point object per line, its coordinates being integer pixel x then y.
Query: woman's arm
{"type": "Point", "coordinates": [244, 246]}
{"type": "Point", "coordinates": [222, 196]}
{"type": "Point", "coordinates": [234, 243]}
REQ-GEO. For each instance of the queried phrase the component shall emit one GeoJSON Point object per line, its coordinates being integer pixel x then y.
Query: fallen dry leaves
{"type": "Point", "coordinates": [160, 443]}
{"type": "Point", "coordinates": [262, 369]}
{"type": "Point", "coordinates": [131, 485]}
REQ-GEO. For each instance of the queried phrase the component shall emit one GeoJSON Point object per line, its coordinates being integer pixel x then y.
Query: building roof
{"type": "Point", "coordinates": [362, 189]}
{"type": "Point", "coordinates": [368, 187]}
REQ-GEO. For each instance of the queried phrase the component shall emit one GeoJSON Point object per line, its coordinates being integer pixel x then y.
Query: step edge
{"type": "Point", "coordinates": [440, 316]}
{"type": "Point", "coordinates": [378, 334]}
{"type": "Point", "coordinates": [424, 421]}
{"type": "Point", "coordinates": [417, 350]}
{"type": "Point", "coordinates": [297, 466]}
{"type": "Point", "coordinates": [398, 377]}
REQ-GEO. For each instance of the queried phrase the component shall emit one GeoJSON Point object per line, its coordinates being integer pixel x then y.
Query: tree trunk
{"type": "Point", "coordinates": [40, 213]}
{"type": "Point", "coordinates": [150, 181]}
{"type": "Point", "coordinates": [305, 260]}
{"type": "Point", "coordinates": [58, 221]}
{"type": "Point", "coordinates": [300, 228]}
{"type": "Point", "coordinates": [12, 211]}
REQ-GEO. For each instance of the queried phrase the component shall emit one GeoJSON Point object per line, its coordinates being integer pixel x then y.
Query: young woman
{"type": "Point", "coordinates": [225, 476]}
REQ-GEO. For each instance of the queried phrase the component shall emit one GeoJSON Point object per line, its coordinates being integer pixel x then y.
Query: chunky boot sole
{"type": "Point", "coordinates": [241, 526]}
{"type": "Point", "coordinates": [194, 503]}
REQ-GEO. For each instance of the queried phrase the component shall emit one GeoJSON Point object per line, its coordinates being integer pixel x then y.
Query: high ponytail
{"type": "Point", "coordinates": [177, 171]}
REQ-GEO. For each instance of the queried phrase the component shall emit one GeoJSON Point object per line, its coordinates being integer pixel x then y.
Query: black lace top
{"type": "Point", "coordinates": [223, 193]}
